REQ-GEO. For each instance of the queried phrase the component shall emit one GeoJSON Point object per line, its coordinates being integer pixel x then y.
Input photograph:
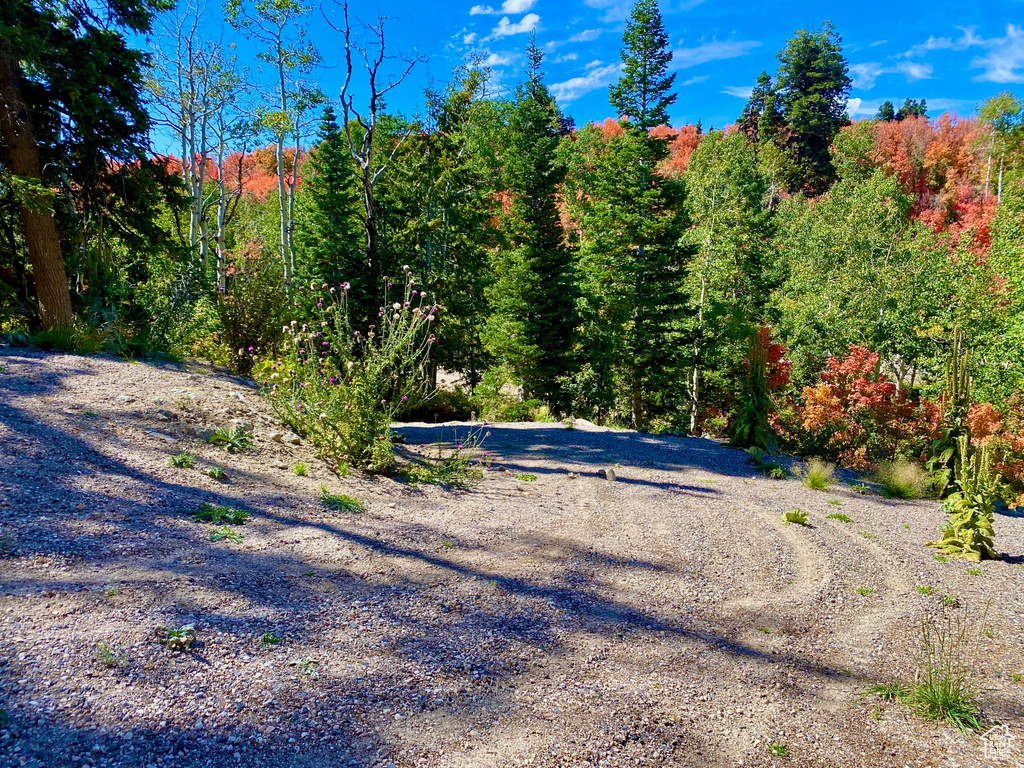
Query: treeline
{"type": "Point", "coordinates": [617, 271]}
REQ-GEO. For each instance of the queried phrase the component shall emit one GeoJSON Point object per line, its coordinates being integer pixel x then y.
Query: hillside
{"type": "Point", "coordinates": [664, 618]}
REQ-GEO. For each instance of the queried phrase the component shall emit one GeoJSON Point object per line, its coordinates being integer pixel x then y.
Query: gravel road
{"type": "Point", "coordinates": [546, 616]}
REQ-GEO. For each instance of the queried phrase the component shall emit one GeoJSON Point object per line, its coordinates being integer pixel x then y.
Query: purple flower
{"type": "Point", "coordinates": [251, 349]}
{"type": "Point", "coordinates": [405, 398]}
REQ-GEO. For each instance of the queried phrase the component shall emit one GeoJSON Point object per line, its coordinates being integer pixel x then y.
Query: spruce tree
{"type": "Point", "coordinates": [886, 113]}
{"type": "Point", "coordinates": [534, 293]}
{"type": "Point", "coordinates": [760, 120]}
{"type": "Point", "coordinates": [813, 85]}
{"type": "Point", "coordinates": [643, 93]}
{"type": "Point", "coordinates": [327, 230]}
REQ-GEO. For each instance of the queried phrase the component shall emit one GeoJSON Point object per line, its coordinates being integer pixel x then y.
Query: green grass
{"type": "Point", "coordinates": [226, 534]}
{"type": "Point", "coordinates": [924, 589]}
{"type": "Point", "coordinates": [940, 558]}
{"type": "Point", "coordinates": [950, 601]}
{"type": "Point", "coordinates": [340, 502]}
{"type": "Point", "coordinates": [902, 480]}
{"type": "Point", "coordinates": [527, 478]}
{"type": "Point", "coordinates": [268, 639]}
{"type": "Point", "coordinates": [869, 535]}
{"type": "Point", "coordinates": [795, 516]}
{"type": "Point", "coordinates": [232, 440]}
{"type": "Point", "coordinates": [943, 689]}
{"type": "Point", "coordinates": [182, 461]}
{"type": "Point", "coordinates": [111, 588]}
{"type": "Point", "coordinates": [448, 544]}
{"type": "Point", "coordinates": [90, 414]}
{"type": "Point", "coordinates": [840, 517]}
{"type": "Point", "coordinates": [865, 591]}
{"type": "Point", "coordinates": [778, 750]}
{"type": "Point", "coordinates": [765, 630]}
{"type": "Point", "coordinates": [816, 474]}
{"type": "Point", "coordinates": [310, 667]}
{"type": "Point", "coordinates": [209, 513]}
{"type": "Point", "coordinates": [300, 469]}
{"type": "Point", "coordinates": [835, 502]}
{"type": "Point", "coordinates": [861, 488]}
{"type": "Point", "coordinates": [216, 473]}
{"type": "Point", "coordinates": [974, 571]}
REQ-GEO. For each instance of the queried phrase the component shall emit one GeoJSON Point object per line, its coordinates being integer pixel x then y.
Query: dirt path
{"type": "Point", "coordinates": [667, 618]}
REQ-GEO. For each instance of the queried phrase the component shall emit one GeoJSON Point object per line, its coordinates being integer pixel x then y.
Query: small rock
{"type": "Point", "coordinates": [277, 437]}
{"type": "Point", "coordinates": [292, 438]}
{"type": "Point", "coordinates": [279, 465]}
{"type": "Point", "coordinates": [607, 474]}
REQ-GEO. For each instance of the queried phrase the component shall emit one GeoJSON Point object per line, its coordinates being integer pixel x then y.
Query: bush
{"type": "Point", "coordinates": [902, 479]}
{"type": "Point", "coordinates": [341, 388]}
{"type": "Point", "coordinates": [251, 306]}
{"type": "Point", "coordinates": [816, 474]}
{"type": "Point", "coordinates": [528, 410]}
{"type": "Point", "coordinates": [443, 405]}
{"type": "Point", "coordinates": [856, 416]}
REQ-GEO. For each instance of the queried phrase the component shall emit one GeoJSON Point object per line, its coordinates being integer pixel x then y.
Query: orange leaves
{"type": "Point", "coordinates": [681, 144]}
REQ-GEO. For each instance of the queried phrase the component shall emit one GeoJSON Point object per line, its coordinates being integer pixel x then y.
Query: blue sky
{"type": "Point", "coordinates": [953, 54]}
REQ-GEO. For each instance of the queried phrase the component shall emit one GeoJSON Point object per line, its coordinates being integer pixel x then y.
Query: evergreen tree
{"type": "Point", "coordinates": [643, 93]}
{"type": "Point", "coordinates": [886, 112]}
{"type": "Point", "coordinates": [72, 120]}
{"type": "Point", "coordinates": [912, 108]}
{"type": "Point", "coordinates": [760, 119]}
{"type": "Point", "coordinates": [327, 228]}
{"type": "Point", "coordinates": [533, 298]}
{"type": "Point", "coordinates": [813, 85]}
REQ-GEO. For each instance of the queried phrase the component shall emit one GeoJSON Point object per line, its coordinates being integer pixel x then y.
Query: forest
{"type": "Point", "coordinates": [795, 281]}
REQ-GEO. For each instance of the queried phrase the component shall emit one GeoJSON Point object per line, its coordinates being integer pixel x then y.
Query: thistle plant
{"type": "Point", "coordinates": [968, 532]}
{"type": "Point", "coordinates": [341, 388]}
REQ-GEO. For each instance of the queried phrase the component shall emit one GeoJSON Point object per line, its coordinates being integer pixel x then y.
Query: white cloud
{"type": "Point", "coordinates": [614, 10]}
{"type": "Point", "coordinates": [565, 57]}
{"type": "Point", "coordinates": [597, 77]}
{"type": "Point", "coordinates": [585, 36]}
{"type": "Point", "coordinates": [877, 43]}
{"type": "Point", "coordinates": [499, 59]}
{"type": "Point", "coordinates": [506, 28]}
{"type": "Point", "coordinates": [594, 63]}
{"type": "Point", "coordinates": [865, 75]}
{"type": "Point", "coordinates": [469, 39]}
{"type": "Point", "coordinates": [684, 58]}
{"type": "Point", "coordinates": [739, 91]}
{"type": "Point", "coordinates": [1005, 58]}
{"type": "Point", "coordinates": [693, 81]}
{"type": "Point", "coordinates": [509, 6]}
{"type": "Point", "coordinates": [966, 40]}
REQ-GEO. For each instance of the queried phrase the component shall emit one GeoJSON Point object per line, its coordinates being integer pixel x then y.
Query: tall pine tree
{"type": "Point", "coordinates": [534, 295]}
{"type": "Point", "coordinates": [644, 92]}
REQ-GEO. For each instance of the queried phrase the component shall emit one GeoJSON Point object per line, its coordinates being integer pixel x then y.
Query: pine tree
{"type": "Point", "coordinates": [886, 112]}
{"type": "Point", "coordinates": [643, 93]}
{"type": "Point", "coordinates": [533, 297]}
{"type": "Point", "coordinates": [327, 229]}
{"type": "Point", "coordinates": [72, 119]}
{"type": "Point", "coordinates": [760, 119]}
{"type": "Point", "coordinates": [813, 85]}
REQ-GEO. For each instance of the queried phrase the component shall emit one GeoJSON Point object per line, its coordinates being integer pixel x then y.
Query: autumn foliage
{"type": "Point", "coordinates": [855, 415]}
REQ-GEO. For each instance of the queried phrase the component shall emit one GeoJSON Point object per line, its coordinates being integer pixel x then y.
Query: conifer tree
{"type": "Point", "coordinates": [644, 92]}
{"type": "Point", "coordinates": [327, 233]}
{"type": "Point", "coordinates": [534, 294]}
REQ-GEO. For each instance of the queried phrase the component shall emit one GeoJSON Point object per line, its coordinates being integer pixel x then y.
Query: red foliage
{"type": "Point", "coordinates": [780, 367]}
{"type": "Point", "coordinates": [681, 144]}
{"type": "Point", "coordinates": [856, 415]}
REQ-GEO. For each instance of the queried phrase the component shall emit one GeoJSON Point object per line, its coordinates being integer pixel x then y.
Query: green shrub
{"type": "Point", "coordinates": [180, 639]}
{"type": "Point", "coordinates": [459, 469]}
{"type": "Point", "coordinates": [443, 405]}
{"type": "Point", "coordinates": [816, 474]}
{"type": "Point", "coordinates": [300, 469]}
{"type": "Point", "coordinates": [751, 427]}
{"type": "Point", "coordinates": [251, 306]}
{"type": "Point", "coordinates": [902, 479]}
{"type": "Point", "coordinates": [340, 502]}
{"type": "Point", "coordinates": [340, 388]}
{"type": "Point", "coordinates": [527, 410]}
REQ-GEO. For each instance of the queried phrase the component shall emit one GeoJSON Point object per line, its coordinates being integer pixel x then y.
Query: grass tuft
{"type": "Point", "coordinates": [340, 502]}
{"type": "Point", "coordinates": [182, 461]}
{"type": "Point", "coordinates": [795, 516]}
{"type": "Point", "coordinates": [902, 479]}
{"type": "Point", "coordinates": [816, 474]}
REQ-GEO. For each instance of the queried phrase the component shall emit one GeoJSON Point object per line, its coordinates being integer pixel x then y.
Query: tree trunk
{"type": "Point", "coordinates": [40, 229]}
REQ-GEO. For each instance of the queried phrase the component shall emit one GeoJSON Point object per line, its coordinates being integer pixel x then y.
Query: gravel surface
{"type": "Point", "coordinates": [664, 618]}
